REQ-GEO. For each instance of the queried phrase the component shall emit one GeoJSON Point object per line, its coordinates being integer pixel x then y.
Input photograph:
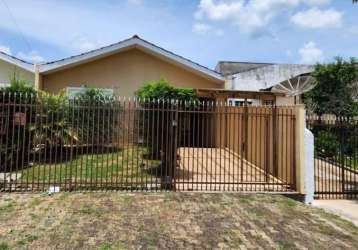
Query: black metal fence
{"type": "Point", "coordinates": [336, 156]}
{"type": "Point", "coordinates": [54, 143]}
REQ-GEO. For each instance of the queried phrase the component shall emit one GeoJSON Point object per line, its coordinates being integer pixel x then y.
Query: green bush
{"type": "Point", "coordinates": [327, 144]}
{"type": "Point", "coordinates": [87, 118]}
{"type": "Point", "coordinates": [94, 116]}
{"type": "Point", "coordinates": [18, 86]}
{"type": "Point", "coordinates": [14, 136]}
{"type": "Point", "coordinates": [51, 126]}
{"type": "Point", "coordinates": [161, 90]}
{"type": "Point", "coordinates": [52, 121]}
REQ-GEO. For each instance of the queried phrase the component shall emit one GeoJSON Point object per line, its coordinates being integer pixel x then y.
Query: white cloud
{"type": "Point", "coordinates": [60, 23]}
{"type": "Point", "coordinates": [220, 10]}
{"type": "Point", "coordinates": [84, 44]}
{"type": "Point", "coordinates": [310, 54]}
{"type": "Point", "coordinates": [32, 56]}
{"type": "Point", "coordinates": [254, 17]}
{"type": "Point", "coordinates": [204, 29]}
{"type": "Point", "coordinates": [251, 17]}
{"type": "Point", "coordinates": [315, 18]}
{"type": "Point", "coordinates": [316, 2]}
{"type": "Point", "coordinates": [5, 49]}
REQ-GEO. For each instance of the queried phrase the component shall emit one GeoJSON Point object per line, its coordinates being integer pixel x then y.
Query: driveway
{"type": "Point", "coordinates": [218, 169]}
{"type": "Point", "coordinates": [348, 209]}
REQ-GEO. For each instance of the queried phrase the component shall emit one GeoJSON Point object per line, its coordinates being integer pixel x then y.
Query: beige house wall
{"type": "Point", "coordinates": [7, 70]}
{"type": "Point", "coordinates": [285, 100]}
{"type": "Point", "coordinates": [125, 72]}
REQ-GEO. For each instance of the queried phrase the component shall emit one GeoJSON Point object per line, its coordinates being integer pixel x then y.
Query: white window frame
{"type": "Point", "coordinates": [72, 91]}
{"type": "Point", "coordinates": [240, 101]}
{"type": "Point", "coordinates": [4, 85]}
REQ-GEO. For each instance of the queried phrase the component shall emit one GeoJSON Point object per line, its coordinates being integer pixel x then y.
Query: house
{"type": "Point", "coordinates": [124, 66]}
{"type": "Point", "coordinates": [10, 65]}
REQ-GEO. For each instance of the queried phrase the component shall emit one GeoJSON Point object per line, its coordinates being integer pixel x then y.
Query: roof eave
{"type": "Point", "coordinates": [125, 45]}
{"type": "Point", "coordinates": [17, 62]}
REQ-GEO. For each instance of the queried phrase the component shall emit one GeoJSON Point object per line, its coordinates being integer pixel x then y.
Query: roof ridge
{"type": "Point", "coordinates": [133, 38]}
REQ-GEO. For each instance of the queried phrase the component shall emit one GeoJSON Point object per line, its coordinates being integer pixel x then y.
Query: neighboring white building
{"type": "Point", "coordinates": [10, 65]}
{"type": "Point", "coordinates": [291, 79]}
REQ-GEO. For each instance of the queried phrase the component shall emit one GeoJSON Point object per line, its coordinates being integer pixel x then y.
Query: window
{"type": "Point", "coordinates": [268, 102]}
{"type": "Point", "coordinates": [239, 101]}
{"type": "Point", "coordinates": [3, 85]}
{"type": "Point", "coordinates": [74, 91]}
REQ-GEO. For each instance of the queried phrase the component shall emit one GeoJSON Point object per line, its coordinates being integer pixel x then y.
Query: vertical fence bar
{"type": "Point", "coordinates": [29, 143]}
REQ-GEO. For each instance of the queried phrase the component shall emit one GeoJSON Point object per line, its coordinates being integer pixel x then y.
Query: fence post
{"type": "Point", "coordinates": [175, 129]}
{"type": "Point", "coordinates": [300, 124]}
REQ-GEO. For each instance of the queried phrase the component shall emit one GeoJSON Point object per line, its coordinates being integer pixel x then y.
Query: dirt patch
{"type": "Point", "coordinates": [167, 221]}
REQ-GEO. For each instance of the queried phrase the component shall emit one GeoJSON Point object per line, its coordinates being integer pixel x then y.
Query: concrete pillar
{"type": "Point", "coordinates": [300, 147]}
{"type": "Point", "coordinates": [304, 156]}
{"type": "Point", "coordinates": [309, 167]}
{"type": "Point", "coordinates": [38, 78]}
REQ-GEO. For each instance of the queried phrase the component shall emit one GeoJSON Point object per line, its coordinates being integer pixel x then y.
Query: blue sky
{"type": "Point", "coordinates": [206, 31]}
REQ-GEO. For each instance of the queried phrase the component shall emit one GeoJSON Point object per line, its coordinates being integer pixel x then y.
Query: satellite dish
{"type": "Point", "coordinates": [295, 86]}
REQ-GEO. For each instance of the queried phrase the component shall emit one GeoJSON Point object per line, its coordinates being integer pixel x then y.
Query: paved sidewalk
{"type": "Point", "coordinates": [347, 209]}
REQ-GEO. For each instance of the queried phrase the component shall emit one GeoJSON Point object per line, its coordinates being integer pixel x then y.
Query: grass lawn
{"type": "Point", "coordinates": [352, 162]}
{"type": "Point", "coordinates": [127, 164]}
{"type": "Point", "coordinates": [112, 220]}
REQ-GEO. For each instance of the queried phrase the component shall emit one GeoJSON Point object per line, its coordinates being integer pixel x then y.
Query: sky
{"type": "Point", "coordinates": [205, 31]}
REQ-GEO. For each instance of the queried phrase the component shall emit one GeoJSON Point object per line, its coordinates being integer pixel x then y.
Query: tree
{"type": "Point", "coordinates": [336, 88]}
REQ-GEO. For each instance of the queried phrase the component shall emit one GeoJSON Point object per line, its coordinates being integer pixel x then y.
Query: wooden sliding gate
{"type": "Point", "coordinates": [236, 148]}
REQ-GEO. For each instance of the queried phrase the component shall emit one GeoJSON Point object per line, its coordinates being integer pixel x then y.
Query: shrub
{"type": "Point", "coordinates": [51, 126]}
{"type": "Point", "coordinates": [15, 123]}
{"type": "Point", "coordinates": [161, 90]}
{"type": "Point", "coordinates": [18, 86]}
{"type": "Point", "coordinates": [87, 118]}
{"type": "Point", "coordinates": [327, 144]}
{"type": "Point", "coordinates": [94, 116]}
